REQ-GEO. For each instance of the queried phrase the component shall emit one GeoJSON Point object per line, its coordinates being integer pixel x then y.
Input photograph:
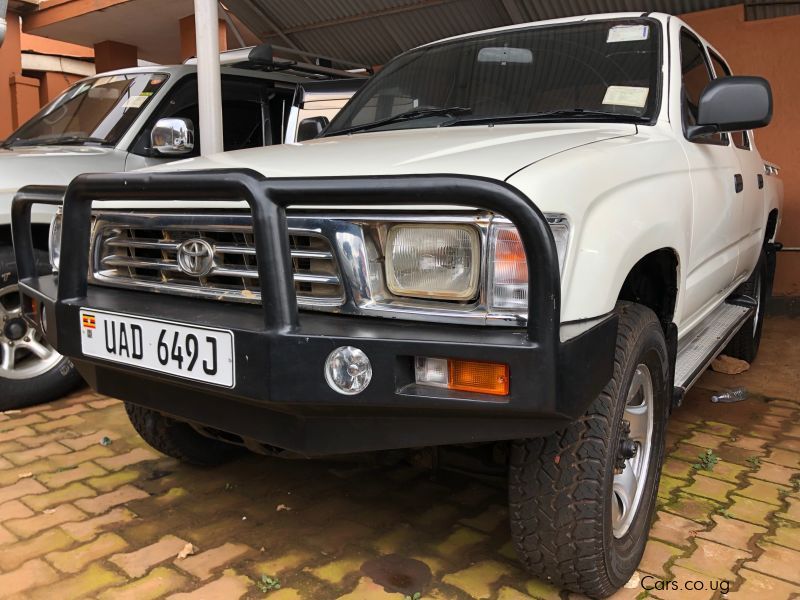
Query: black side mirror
{"type": "Point", "coordinates": [311, 128]}
{"type": "Point", "coordinates": [733, 104]}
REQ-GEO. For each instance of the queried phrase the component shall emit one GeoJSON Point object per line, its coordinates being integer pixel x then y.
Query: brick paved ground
{"type": "Point", "coordinates": [80, 518]}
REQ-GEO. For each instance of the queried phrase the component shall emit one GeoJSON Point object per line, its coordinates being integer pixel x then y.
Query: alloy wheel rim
{"type": "Point", "coordinates": [628, 486]}
{"type": "Point", "coordinates": [28, 356]}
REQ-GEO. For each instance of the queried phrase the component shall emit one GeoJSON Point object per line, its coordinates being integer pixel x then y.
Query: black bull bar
{"type": "Point", "coordinates": [552, 380]}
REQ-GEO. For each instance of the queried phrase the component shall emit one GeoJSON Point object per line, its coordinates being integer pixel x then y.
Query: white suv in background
{"type": "Point", "coordinates": [122, 121]}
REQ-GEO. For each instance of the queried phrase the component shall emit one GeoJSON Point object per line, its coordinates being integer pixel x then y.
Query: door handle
{"type": "Point", "coordinates": [738, 182]}
{"type": "Point", "coordinates": [760, 181]}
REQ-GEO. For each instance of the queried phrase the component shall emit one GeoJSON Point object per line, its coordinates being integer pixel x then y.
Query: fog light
{"type": "Point", "coordinates": [463, 375]}
{"type": "Point", "coordinates": [348, 370]}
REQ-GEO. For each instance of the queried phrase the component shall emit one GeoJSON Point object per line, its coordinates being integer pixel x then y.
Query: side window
{"type": "Point", "coordinates": [254, 113]}
{"type": "Point", "coordinates": [741, 139]}
{"type": "Point", "coordinates": [696, 74]}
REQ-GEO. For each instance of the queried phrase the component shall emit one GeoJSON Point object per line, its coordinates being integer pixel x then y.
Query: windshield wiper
{"type": "Point", "coordinates": [60, 141]}
{"type": "Point", "coordinates": [571, 113]}
{"type": "Point", "coordinates": [414, 113]}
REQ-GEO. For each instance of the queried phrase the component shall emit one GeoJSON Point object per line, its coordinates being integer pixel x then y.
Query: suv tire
{"type": "Point", "coordinates": [25, 377]}
{"type": "Point", "coordinates": [178, 439]}
{"type": "Point", "coordinates": [745, 343]}
{"type": "Point", "coordinates": [568, 512]}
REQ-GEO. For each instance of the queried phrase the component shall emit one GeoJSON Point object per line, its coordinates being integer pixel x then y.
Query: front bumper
{"type": "Point", "coordinates": [280, 398]}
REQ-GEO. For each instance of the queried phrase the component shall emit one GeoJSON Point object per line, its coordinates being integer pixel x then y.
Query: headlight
{"type": "Point", "coordinates": [55, 239]}
{"type": "Point", "coordinates": [508, 268]}
{"type": "Point", "coordinates": [433, 261]}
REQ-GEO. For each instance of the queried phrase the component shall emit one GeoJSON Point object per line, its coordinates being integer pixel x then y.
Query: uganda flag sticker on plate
{"type": "Point", "coordinates": [88, 321]}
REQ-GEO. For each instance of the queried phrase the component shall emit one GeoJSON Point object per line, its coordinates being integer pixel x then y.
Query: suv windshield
{"type": "Point", "coordinates": [592, 70]}
{"type": "Point", "coordinates": [97, 110]}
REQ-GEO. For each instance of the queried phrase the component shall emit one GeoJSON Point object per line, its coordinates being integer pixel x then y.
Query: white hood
{"type": "Point", "coordinates": [50, 165]}
{"type": "Point", "coordinates": [496, 152]}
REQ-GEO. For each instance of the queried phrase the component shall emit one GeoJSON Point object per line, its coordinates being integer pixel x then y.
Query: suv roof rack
{"type": "Point", "coordinates": [262, 58]}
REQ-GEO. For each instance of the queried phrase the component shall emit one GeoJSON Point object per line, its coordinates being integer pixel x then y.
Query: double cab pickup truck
{"type": "Point", "coordinates": [121, 121]}
{"type": "Point", "coordinates": [530, 240]}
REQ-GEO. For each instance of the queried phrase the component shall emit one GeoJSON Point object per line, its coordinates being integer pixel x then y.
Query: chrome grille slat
{"type": "Point", "coordinates": [143, 253]}
{"type": "Point", "coordinates": [235, 250]}
{"type": "Point", "coordinates": [311, 278]}
{"type": "Point", "coordinates": [312, 254]}
{"type": "Point", "coordinates": [132, 263]}
{"type": "Point", "coordinates": [221, 272]}
{"type": "Point", "coordinates": [143, 244]}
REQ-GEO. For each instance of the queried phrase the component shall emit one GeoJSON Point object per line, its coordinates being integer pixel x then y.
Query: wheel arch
{"type": "Point", "coordinates": [771, 228]}
{"type": "Point", "coordinates": [653, 282]}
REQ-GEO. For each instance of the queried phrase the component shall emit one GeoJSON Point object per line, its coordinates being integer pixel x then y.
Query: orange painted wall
{"type": "Point", "coordinates": [10, 64]}
{"type": "Point", "coordinates": [769, 48]}
{"type": "Point", "coordinates": [52, 84]}
{"type": "Point", "coordinates": [21, 97]}
{"type": "Point", "coordinates": [188, 37]}
{"type": "Point", "coordinates": [43, 45]}
{"type": "Point", "coordinates": [24, 98]}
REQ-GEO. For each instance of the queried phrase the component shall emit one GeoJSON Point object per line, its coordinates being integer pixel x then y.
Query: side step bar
{"type": "Point", "coordinates": [707, 340]}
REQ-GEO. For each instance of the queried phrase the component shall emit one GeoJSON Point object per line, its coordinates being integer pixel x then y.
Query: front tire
{"type": "Point", "coordinates": [177, 439]}
{"type": "Point", "coordinates": [575, 522]}
{"type": "Point", "coordinates": [31, 371]}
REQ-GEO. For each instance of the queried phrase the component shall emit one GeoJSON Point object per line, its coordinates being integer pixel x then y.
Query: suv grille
{"type": "Point", "coordinates": [143, 256]}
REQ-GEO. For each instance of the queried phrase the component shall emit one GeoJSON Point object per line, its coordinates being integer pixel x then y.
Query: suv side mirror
{"type": "Point", "coordinates": [733, 104]}
{"type": "Point", "coordinates": [173, 137]}
{"type": "Point", "coordinates": [311, 128]}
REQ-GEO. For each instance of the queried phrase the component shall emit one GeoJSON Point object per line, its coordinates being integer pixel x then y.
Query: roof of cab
{"type": "Point", "coordinates": [663, 17]}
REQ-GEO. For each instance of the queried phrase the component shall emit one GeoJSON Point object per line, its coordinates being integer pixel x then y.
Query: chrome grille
{"type": "Point", "coordinates": [142, 251]}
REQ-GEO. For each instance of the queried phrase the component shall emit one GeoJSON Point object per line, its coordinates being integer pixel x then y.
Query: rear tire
{"type": "Point", "coordinates": [27, 378]}
{"type": "Point", "coordinates": [575, 522]}
{"type": "Point", "coordinates": [177, 439]}
{"type": "Point", "coordinates": [745, 344]}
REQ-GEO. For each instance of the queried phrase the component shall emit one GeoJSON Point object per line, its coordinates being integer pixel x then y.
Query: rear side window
{"type": "Point", "coordinates": [741, 139]}
{"type": "Point", "coordinates": [696, 75]}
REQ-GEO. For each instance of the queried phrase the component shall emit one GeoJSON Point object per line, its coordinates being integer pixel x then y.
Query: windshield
{"type": "Point", "coordinates": [602, 70]}
{"type": "Point", "coordinates": [93, 111]}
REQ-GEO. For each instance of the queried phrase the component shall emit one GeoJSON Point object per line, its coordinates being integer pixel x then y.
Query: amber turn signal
{"type": "Point", "coordinates": [480, 377]}
{"type": "Point", "coordinates": [463, 375]}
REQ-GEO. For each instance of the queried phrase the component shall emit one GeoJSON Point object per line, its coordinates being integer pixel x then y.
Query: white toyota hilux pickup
{"type": "Point", "coordinates": [526, 243]}
{"type": "Point", "coordinates": [122, 121]}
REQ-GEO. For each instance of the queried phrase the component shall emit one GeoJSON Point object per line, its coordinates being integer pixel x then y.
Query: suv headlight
{"type": "Point", "coordinates": [433, 261]}
{"type": "Point", "coordinates": [508, 268]}
{"type": "Point", "coordinates": [55, 239]}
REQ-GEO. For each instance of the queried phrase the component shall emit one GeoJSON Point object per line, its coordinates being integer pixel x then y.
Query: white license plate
{"type": "Point", "coordinates": [188, 351]}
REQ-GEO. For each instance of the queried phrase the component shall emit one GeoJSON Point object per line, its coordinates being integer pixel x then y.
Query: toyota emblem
{"type": "Point", "coordinates": [196, 257]}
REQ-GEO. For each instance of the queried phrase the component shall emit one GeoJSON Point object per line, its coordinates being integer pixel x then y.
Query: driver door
{"type": "Point", "coordinates": [715, 175]}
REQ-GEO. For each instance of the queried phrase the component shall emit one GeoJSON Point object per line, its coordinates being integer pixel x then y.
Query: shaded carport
{"type": "Point", "coordinates": [373, 31]}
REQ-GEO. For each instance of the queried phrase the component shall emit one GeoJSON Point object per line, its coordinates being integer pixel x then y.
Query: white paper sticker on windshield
{"type": "Point", "coordinates": [628, 33]}
{"type": "Point", "coordinates": [136, 101]}
{"type": "Point", "coordinates": [623, 95]}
